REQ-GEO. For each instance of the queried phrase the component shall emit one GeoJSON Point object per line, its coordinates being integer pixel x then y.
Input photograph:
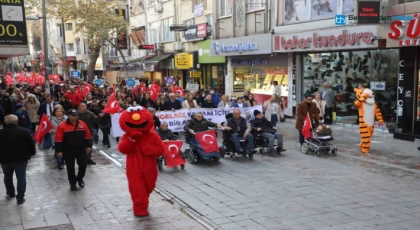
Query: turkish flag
{"type": "Point", "coordinates": [172, 153]}
{"type": "Point", "coordinates": [155, 87]}
{"type": "Point", "coordinates": [44, 127]}
{"type": "Point", "coordinates": [87, 88]}
{"type": "Point", "coordinates": [307, 126]}
{"type": "Point", "coordinates": [153, 93]}
{"type": "Point", "coordinates": [179, 89]}
{"type": "Point", "coordinates": [112, 106]}
{"type": "Point", "coordinates": [208, 141]}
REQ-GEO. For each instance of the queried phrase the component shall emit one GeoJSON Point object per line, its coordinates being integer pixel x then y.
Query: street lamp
{"type": "Point", "coordinates": [44, 30]}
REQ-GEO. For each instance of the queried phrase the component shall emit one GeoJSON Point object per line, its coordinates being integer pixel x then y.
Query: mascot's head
{"type": "Point", "coordinates": [136, 120]}
{"type": "Point", "coordinates": [370, 99]}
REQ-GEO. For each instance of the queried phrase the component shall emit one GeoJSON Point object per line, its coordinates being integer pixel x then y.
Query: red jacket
{"type": "Point", "coordinates": [74, 98]}
{"type": "Point", "coordinates": [72, 137]}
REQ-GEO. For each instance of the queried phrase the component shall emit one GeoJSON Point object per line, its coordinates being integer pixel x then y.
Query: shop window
{"type": "Point", "coordinates": [344, 71]}
{"type": "Point", "coordinates": [252, 5]}
{"type": "Point", "coordinates": [225, 8]}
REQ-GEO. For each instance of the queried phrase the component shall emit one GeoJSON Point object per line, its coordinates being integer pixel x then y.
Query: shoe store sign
{"type": "Point", "coordinates": [407, 34]}
{"type": "Point", "coordinates": [349, 38]}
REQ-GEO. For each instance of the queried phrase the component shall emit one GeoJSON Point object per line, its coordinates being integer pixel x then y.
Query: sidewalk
{"type": "Point", "coordinates": [104, 203]}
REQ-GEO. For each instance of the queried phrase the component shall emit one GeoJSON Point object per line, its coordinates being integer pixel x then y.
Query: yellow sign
{"type": "Point", "coordinates": [194, 74]}
{"type": "Point", "coordinates": [184, 61]}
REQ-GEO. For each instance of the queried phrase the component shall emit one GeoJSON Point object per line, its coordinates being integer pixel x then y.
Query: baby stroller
{"type": "Point", "coordinates": [228, 147]}
{"type": "Point", "coordinates": [319, 145]}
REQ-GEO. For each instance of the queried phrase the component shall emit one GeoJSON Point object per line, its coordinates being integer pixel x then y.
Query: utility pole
{"type": "Point", "coordinates": [46, 58]}
{"type": "Point", "coordinates": [63, 49]}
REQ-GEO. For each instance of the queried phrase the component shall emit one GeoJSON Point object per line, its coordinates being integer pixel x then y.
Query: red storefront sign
{"type": "Point", "coordinates": [412, 32]}
{"type": "Point", "coordinates": [324, 41]}
{"type": "Point", "coordinates": [202, 30]}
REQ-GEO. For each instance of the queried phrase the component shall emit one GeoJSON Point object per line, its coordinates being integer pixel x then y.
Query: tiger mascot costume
{"type": "Point", "coordinates": [365, 103]}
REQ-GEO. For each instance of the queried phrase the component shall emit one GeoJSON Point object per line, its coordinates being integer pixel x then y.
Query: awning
{"type": "Point", "coordinates": [140, 58]}
{"type": "Point", "coordinates": [155, 60]}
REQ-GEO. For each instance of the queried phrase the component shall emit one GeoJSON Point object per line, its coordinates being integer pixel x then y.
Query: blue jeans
{"type": "Point", "coordinates": [274, 120]}
{"type": "Point", "coordinates": [270, 137]}
{"type": "Point", "coordinates": [95, 136]}
{"type": "Point", "coordinates": [19, 167]}
{"type": "Point", "coordinates": [249, 140]}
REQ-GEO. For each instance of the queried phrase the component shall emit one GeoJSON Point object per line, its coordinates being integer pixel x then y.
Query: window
{"type": "Point", "coordinates": [69, 26]}
{"type": "Point", "coordinates": [210, 19]}
{"type": "Point", "coordinates": [77, 45]}
{"type": "Point", "coordinates": [153, 33]}
{"type": "Point", "coordinates": [189, 22]}
{"type": "Point", "coordinates": [85, 47]}
{"type": "Point", "coordinates": [167, 35]}
{"type": "Point", "coordinates": [225, 8]}
{"type": "Point", "coordinates": [252, 5]}
{"type": "Point", "coordinates": [70, 46]}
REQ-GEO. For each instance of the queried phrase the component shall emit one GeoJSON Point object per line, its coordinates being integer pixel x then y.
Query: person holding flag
{"type": "Point", "coordinates": [306, 114]}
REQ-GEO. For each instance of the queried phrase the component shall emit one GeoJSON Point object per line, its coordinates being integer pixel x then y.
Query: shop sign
{"type": "Point", "coordinates": [238, 88]}
{"type": "Point", "coordinates": [195, 74]}
{"type": "Point", "coordinates": [325, 40]}
{"type": "Point", "coordinates": [204, 54]}
{"type": "Point", "coordinates": [122, 35]}
{"type": "Point", "coordinates": [184, 61]}
{"type": "Point", "coordinates": [13, 24]}
{"type": "Point", "coordinates": [197, 32]}
{"type": "Point", "coordinates": [377, 85]}
{"type": "Point", "coordinates": [237, 48]}
{"type": "Point", "coordinates": [249, 62]}
{"type": "Point", "coordinates": [192, 87]}
{"type": "Point", "coordinates": [265, 71]}
{"type": "Point", "coordinates": [412, 32]}
{"type": "Point", "coordinates": [402, 92]}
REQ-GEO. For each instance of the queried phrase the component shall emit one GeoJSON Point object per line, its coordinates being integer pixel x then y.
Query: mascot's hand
{"type": "Point", "coordinates": [126, 145]}
{"type": "Point", "coordinates": [153, 148]}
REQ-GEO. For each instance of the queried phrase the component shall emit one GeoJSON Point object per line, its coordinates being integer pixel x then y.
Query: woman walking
{"type": "Point", "coordinates": [32, 106]}
{"type": "Point", "coordinates": [57, 117]}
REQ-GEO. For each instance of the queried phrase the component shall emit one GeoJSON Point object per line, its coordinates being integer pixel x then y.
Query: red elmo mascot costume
{"type": "Point", "coordinates": [142, 146]}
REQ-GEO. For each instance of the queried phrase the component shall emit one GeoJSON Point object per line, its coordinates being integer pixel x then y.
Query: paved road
{"type": "Point", "coordinates": [104, 203]}
{"type": "Point", "coordinates": [297, 191]}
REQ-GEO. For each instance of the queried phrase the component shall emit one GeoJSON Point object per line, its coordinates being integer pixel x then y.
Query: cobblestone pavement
{"type": "Point", "coordinates": [297, 191]}
{"type": "Point", "coordinates": [104, 203]}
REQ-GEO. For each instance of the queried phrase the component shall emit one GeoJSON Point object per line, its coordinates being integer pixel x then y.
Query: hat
{"type": "Point", "coordinates": [256, 112]}
{"type": "Point", "coordinates": [18, 106]}
{"type": "Point", "coordinates": [72, 112]}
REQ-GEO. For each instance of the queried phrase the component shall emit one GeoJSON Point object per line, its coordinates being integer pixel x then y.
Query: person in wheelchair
{"type": "Point", "coordinates": [262, 126]}
{"type": "Point", "coordinates": [197, 123]}
{"type": "Point", "coordinates": [238, 130]}
{"type": "Point", "coordinates": [164, 133]}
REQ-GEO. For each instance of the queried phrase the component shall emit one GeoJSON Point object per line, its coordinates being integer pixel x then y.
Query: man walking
{"type": "Point", "coordinates": [329, 96]}
{"type": "Point", "coordinates": [17, 147]}
{"type": "Point", "coordinates": [73, 142]}
{"type": "Point", "coordinates": [90, 119]}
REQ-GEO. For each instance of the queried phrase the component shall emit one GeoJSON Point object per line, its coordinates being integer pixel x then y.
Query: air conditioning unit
{"type": "Point", "coordinates": [158, 7]}
{"type": "Point", "coordinates": [177, 46]}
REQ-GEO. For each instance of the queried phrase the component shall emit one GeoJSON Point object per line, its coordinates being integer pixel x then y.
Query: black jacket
{"type": "Point", "coordinates": [239, 130]}
{"type": "Point", "coordinates": [157, 122]}
{"type": "Point", "coordinates": [198, 126]}
{"type": "Point", "coordinates": [208, 104]}
{"type": "Point", "coordinates": [90, 119]}
{"type": "Point", "coordinates": [147, 103]}
{"type": "Point", "coordinates": [166, 135]}
{"type": "Point", "coordinates": [72, 137]}
{"type": "Point", "coordinates": [160, 107]}
{"type": "Point", "coordinates": [66, 105]}
{"type": "Point", "coordinates": [2, 115]}
{"type": "Point", "coordinates": [169, 105]}
{"type": "Point", "coordinates": [16, 144]}
{"type": "Point", "coordinates": [262, 123]}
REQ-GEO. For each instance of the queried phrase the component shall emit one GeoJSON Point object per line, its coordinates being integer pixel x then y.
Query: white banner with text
{"type": "Point", "coordinates": [178, 118]}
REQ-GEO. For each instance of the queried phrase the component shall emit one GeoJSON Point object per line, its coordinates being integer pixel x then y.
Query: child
{"type": "Point", "coordinates": [23, 117]}
{"type": "Point", "coordinates": [323, 131]}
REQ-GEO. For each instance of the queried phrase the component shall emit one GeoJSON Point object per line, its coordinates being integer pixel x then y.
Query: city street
{"type": "Point", "coordinates": [297, 191]}
{"type": "Point", "coordinates": [104, 203]}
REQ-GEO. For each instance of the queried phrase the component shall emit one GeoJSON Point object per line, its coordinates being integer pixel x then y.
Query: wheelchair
{"type": "Point", "coordinates": [193, 156]}
{"type": "Point", "coordinates": [161, 162]}
{"type": "Point", "coordinates": [261, 144]}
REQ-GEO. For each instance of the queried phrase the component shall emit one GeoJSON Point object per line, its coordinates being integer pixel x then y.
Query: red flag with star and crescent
{"type": "Point", "coordinates": [307, 127]}
{"type": "Point", "coordinates": [112, 106]}
{"type": "Point", "coordinates": [208, 141]}
{"type": "Point", "coordinates": [44, 127]}
{"type": "Point", "coordinates": [172, 153]}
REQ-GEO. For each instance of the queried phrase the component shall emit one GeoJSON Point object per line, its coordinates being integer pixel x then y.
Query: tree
{"type": "Point", "coordinates": [97, 20]}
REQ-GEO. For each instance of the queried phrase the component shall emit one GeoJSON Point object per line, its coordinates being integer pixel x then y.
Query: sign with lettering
{"type": "Point", "coordinates": [368, 12]}
{"type": "Point", "coordinates": [195, 74]}
{"type": "Point", "coordinates": [197, 32]}
{"type": "Point", "coordinates": [184, 61]}
{"type": "Point", "coordinates": [238, 88]}
{"type": "Point", "coordinates": [249, 62]}
{"type": "Point", "coordinates": [351, 37]}
{"type": "Point", "coordinates": [12, 23]}
{"type": "Point", "coordinates": [408, 34]}
{"type": "Point", "coordinates": [248, 45]}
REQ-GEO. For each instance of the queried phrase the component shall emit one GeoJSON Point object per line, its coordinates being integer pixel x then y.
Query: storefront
{"type": "Point", "coordinates": [214, 68]}
{"type": "Point", "coordinates": [251, 65]}
{"type": "Point", "coordinates": [407, 75]}
{"type": "Point", "coordinates": [188, 69]}
{"type": "Point", "coordinates": [158, 67]}
{"type": "Point", "coordinates": [344, 57]}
